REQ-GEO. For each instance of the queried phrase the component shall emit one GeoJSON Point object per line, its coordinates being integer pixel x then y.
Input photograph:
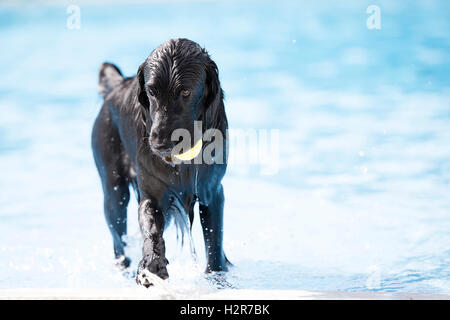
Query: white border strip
{"type": "Point", "coordinates": [227, 294]}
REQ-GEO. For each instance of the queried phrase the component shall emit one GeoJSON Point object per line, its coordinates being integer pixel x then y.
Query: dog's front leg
{"type": "Point", "coordinates": [154, 262]}
{"type": "Point", "coordinates": [211, 218]}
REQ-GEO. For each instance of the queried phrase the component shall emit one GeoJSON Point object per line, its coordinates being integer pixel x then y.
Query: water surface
{"type": "Point", "coordinates": [361, 200]}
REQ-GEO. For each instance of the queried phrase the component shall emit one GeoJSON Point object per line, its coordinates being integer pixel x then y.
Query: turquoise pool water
{"type": "Point", "coordinates": [361, 199]}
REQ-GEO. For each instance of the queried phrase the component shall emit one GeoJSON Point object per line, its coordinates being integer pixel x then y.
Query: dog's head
{"type": "Point", "coordinates": [179, 84]}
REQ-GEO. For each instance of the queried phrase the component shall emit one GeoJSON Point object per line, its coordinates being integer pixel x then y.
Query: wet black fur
{"type": "Point", "coordinates": [130, 142]}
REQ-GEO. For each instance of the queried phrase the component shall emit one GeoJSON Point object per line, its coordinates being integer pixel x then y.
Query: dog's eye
{"type": "Point", "coordinates": [152, 91]}
{"type": "Point", "coordinates": [186, 93]}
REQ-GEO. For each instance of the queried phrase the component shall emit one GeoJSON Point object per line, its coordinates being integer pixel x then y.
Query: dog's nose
{"type": "Point", "coordinates": [160, 138]}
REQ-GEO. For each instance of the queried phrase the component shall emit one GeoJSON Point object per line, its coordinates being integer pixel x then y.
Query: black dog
{"type": "Point", "coordinates": [131, 141]}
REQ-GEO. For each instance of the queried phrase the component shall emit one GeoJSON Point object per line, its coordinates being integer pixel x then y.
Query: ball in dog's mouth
{"type": "Point", "coordinates": [191, 153]}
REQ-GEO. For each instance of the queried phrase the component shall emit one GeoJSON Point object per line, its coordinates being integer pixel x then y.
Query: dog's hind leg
{"type": "Point", "coordinates": [116, 197]}
{"type": "Point", "coordinates": [113, 168]}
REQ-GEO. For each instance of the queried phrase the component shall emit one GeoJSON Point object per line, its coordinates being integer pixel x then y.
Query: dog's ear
{"type": "Point", "coordinates": [212, 83]}
{"type": "Point", "coordinates": [142, 93]}
{"type": "Point", "coordinates": [214, 112]}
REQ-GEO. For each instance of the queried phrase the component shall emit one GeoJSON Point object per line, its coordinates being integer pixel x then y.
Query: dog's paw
{"type": "Point", "coordinates": [147, 279]}
{"type": "Point", "coordinates": [219, 280]}
{"type": "Point", "coordinates": [152, 272]}
{"type": "Point", "coordinates": [122, 263]}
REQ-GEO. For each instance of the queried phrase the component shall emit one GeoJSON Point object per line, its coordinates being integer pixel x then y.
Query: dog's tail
{"type": "Point", "coordinates": [109, 77]}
